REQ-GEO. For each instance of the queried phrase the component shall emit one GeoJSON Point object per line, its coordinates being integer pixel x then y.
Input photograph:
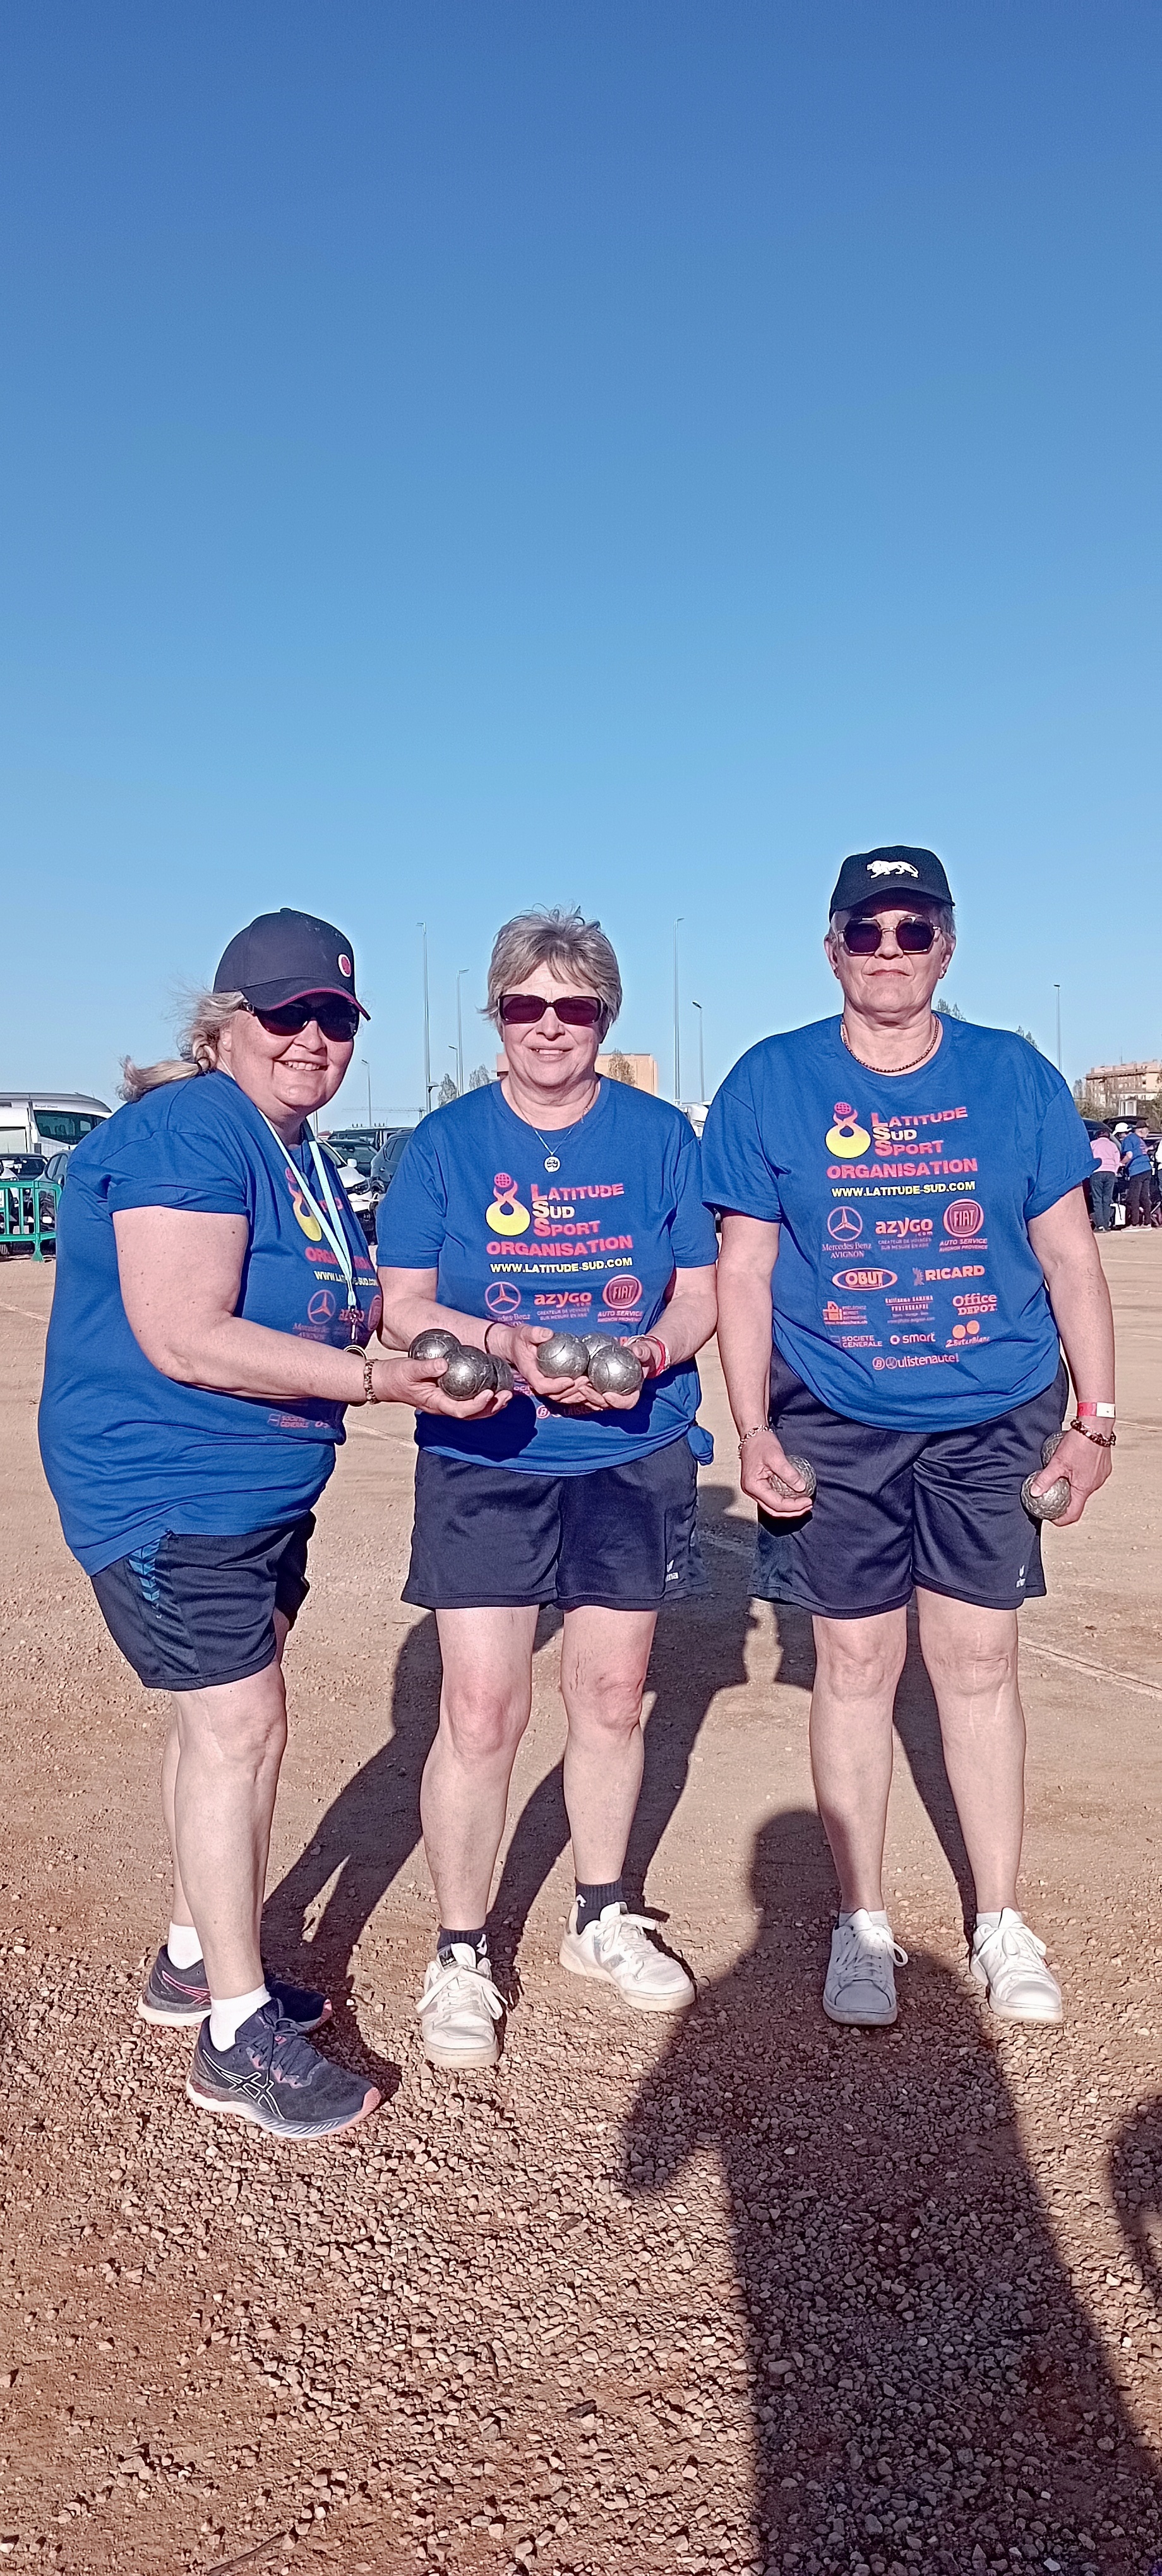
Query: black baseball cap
{"type": "Point", "coordinates": [285, 955]}
{"type": "Point", "coordinates": [884, 874]}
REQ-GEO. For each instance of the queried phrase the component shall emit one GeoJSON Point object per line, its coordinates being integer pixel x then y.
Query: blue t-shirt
{"type": "Point", "coordinates": [590, 1247]}
{"type": "Point", "coordinates": [128, 1452]}
{"type": "Point", "coordinates": [906, 1291]}
{"type": "Point", "coordinates": [1139, 1159]}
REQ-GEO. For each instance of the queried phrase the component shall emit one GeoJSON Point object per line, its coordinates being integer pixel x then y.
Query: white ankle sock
{"type": "Point", "coordinates": [228, 2012]}
{"type": "Point", "coordinates": [880, 1918]}
{"type": "Point", "coordinates": [183, 1945]}
{"type": "Point", "coordinates": [986, 1923]}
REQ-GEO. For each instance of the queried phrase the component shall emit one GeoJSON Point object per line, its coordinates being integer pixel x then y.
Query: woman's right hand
{"type": "Point", "coordinates": [764, 1458]}
{"type": "Point", "coordinates": [417, 1382]}
{"type": "Point", "coordinates": [519, 1344]}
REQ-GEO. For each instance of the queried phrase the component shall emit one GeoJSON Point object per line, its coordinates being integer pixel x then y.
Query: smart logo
{"type": "Point", "coordinates": [844, 1225]}
{"type": "Point", "coordinates": [963, 1218]}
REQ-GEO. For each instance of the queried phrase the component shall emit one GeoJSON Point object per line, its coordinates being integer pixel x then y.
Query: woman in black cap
{"type": "Point", "coordinates": [904, 1219]}
{"type": "Point", "coordinates": [212, 1320]}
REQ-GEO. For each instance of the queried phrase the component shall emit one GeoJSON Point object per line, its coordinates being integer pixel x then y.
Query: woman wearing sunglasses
{"type": "Point", "coordinates": [212, 1319]}
{"type": "Point", "coordinates": [550, 1200]}
{"type": "Point", "coordinates": [903, 1216]}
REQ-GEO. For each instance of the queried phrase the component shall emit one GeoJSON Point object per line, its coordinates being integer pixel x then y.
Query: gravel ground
{"type": "Point", "coordinates": [743, 2293]}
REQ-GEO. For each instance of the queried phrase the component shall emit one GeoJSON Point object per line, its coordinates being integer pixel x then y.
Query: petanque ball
{"type": "Point", "coordinates": [468, 1373]}
{"type": "Point", "coordinates": [803, 1468]}
{"type": "Point", "coordinates": [596, 1342]}
{"type": "Point", "coordinates": [615, 1370]}
{"type": "Point", "coordinates": [1055, 1499]}
{"type": "Point", "coordinates": [503, 1378]}
{"type": "Point", "coordinates": [436, 1345]}
{"type": "Point", "coordinates": [562, 1356]}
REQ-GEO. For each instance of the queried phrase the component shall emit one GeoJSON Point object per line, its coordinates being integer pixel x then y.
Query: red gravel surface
{"type": "Point", "coordinates": [749, 2293]}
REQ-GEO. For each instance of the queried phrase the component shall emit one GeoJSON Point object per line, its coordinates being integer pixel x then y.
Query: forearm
{"type": "Point", "coordinates": [685, 1325]}
{"type": "Point", "coordinates": [744, 1342]}
{"type": "Point", "coordinates": [234, 1357]}
{"type": "Point", "coordinates": [1080, 1300]}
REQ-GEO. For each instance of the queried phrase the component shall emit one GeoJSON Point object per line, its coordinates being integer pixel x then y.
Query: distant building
{"type": "Point", "coordinates": [1119, 1090]}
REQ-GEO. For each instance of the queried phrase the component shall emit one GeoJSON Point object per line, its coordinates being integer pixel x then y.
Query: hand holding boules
{"type": "Point", "coordinates": [462, 1381]}
{"type": "Point", "coordinates": [1080, 1463]}
{"type": "Point", "coordinates": [1047, 1502]}
{"type": "Point", "coordinates": [782, 1484]}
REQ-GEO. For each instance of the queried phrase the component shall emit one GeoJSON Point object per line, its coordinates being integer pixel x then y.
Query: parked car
{"type": "Point", "coordinates": [41, 1122]}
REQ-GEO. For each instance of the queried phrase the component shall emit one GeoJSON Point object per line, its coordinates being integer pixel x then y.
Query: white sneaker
{"type": "Point", "coordinates": [617, 1950]}
{"type": "Point", "coordinates": [459, 2010]}
{"type": "Point", "coordinates": [860, 1987]}
{"type": "Point", "coordinates": [1009, 1961]}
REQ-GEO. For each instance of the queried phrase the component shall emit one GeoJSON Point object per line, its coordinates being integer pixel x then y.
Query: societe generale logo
{"type": "Point", "coordinates": [863, 1278]}
{"type": "Point", "coordinates": [963, 1218]}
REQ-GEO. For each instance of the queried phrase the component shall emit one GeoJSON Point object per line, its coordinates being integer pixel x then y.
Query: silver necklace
{"type": "Point", "coordinates": [917, 1060]}
{"type": "Point", "coordinates": [552, 1160]}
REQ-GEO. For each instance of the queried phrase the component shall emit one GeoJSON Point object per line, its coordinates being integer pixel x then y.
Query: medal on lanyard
{"type": "Point", "coordinates": [329, 1221]}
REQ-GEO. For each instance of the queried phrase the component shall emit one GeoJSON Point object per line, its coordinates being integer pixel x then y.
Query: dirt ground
{"type": "Point", "coordinates": [748, 2294]}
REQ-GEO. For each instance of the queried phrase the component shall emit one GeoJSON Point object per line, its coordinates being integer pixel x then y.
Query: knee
{"type": "Point", "coordinates": [482, 1727]}
{"type": "Point", "coordinates": [977, 1668]}
{"type": "Point", "coordinates": [856, 1664]}
{"type": "Point", "coordinates": [605, 1701]}
{"type": "Point", "coordinates": [243, 1740]}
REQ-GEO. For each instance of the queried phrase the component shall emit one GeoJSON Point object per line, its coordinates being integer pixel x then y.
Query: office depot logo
{"type": "Point", "coordinates": [863, 1278]}
{"type": "Point", "coordinates": [963, 1218]}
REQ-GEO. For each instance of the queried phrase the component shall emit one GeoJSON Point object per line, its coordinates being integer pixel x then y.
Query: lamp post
{"type": "Point", "coordinates": [422, 926]}
{"type": "Point", "coordinates": [367, 1070]}
{"type": "Point", "coordinates": [456, 1062]}
{"type": "Point", "coordinates": [697, 1006]}
{"type": "Point", "coordinates": [1057, 990]}
{"type": "Point", "coordinates": [460, 1035]}
{"type": "Point", "coordinates": [677, 1019]}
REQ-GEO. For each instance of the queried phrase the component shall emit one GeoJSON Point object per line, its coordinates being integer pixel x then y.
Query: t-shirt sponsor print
{"type": "Point", "coordinates": [906, 1291]}
{"type": "Point", "coordinates": [591, 1248]}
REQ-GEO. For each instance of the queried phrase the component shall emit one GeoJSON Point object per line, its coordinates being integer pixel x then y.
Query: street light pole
{"type": "Point", "coordinates": [697, 1006]}
{"type": "Point", "coordinates": [422, 925]}
{"type": "Point", "coordinates": [677, 1020]}
{"type": "Point", "coordinates": [367, 1070]}
{"type": "Point", "coordinates": [459, 1036]}
{"type": "Point", "coordinates": [1057, 990]}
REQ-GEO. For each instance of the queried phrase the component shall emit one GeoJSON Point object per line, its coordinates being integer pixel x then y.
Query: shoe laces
{"type": "Point", "coordinates": [867, 1948]}
{"type": "Point", "coordinates": [626, 1937]}
{"type": "Point", "coordinates": [1016, 1942]}
{"type": "Point", "coordinates": [455, 1983]}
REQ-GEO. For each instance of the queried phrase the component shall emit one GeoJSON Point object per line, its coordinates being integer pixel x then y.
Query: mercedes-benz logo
{"type": "Point", "coordinates": [844, 1226]}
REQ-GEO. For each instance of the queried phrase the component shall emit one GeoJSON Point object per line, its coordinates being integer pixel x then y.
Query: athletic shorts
{"type": "Point", "coordinates": [190, 1611]}
{"type": "Point", "coordinates": [494, 1538]}
{"type": "Point", "coordinates": [894, 1509]}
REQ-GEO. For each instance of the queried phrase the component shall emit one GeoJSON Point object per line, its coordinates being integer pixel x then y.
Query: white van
{"type": "Point", "coordinates": [47, 1122]}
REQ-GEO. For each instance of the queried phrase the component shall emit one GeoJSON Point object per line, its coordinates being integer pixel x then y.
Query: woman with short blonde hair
{"type": "Point", "coordinates": [551, 1198]}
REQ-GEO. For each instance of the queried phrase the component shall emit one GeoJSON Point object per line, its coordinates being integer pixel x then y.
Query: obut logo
{"type": "Point", "coordinates": [863, 1278]}
{"type": "Point", "coordinates": [963, 1218]}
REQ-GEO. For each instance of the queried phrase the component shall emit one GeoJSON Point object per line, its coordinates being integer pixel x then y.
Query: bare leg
{"type": "Point", "coordinates": [971, 1657]}
{"type": "Point", "coordinates": [858, 1664]}
{"type": "Point", "coordinates": [484, 1710]}
{"type": "Point", "coordinates": [230, 1748]}
{"type": "Point", "coordinates": [179, 1911]}
{"type": "Point", "coordinates": [604, 1658]}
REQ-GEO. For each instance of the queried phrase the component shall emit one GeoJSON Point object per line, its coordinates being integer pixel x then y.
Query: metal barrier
{"type": "Point", "coordinates": [28, 1217]}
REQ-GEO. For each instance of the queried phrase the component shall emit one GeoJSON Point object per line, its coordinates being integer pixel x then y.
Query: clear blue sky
{"type": "Point", "coordinates": [629, 453]}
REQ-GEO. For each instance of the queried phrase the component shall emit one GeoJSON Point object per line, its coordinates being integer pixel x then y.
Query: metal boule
{"type": "Point", "coordinates": [468, 1373]}
{"type": "Point", "coordinates": [562, 1356]}
{"type": "Point", "coordinates": [803, 1468]}
{"type": "Point", "coordinates": [436, 1345]}
{"type": "Point", "coordinates": [1055, 1499]}
{"type": "Point", "coordinates": [502, 1375]}
{"type": "Point", "coordinates": [596, 1341]}
{"type": "Point", "coordinates": [616, 1370]}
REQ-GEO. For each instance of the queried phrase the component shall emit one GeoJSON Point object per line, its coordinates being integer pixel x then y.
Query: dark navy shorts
{"type": "Point", "coordinates": [190, 1611]}
{"type": "Point", "coordinates": [895, 1509]}
{"type": "Point", "coordinates": [494, 1538]}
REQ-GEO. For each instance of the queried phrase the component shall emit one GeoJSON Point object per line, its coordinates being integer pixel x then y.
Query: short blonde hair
{"type": "Point", "coordinates": [565, 940]}
{"type": "Point", "coordinates": [206, 1017]}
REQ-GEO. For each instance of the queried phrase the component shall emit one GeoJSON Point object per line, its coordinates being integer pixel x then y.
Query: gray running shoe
{"type": "Point", "coordinates": [175, 1998]}
{"type": "Point", "coordinates": [273, 2077]}
{"type": "Point", "coordinates": [860, 1990]}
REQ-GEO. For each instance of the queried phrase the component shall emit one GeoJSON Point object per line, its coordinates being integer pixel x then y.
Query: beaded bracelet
{"type": "Point", "coordinates": [1100, 1439]}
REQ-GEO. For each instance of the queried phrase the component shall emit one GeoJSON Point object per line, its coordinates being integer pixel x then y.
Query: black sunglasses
{"type": "Point", "coordinates": [862, 937]}
{"type": "Point", "coordinates": [336, 1018]}
{"type": "Point", "coordinates": [577, 1010]}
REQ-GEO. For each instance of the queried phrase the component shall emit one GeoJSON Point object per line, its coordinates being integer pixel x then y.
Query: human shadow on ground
{"type": "Point", "coordinates": [926, 2390]}
{"type": "Point", "coordinates": [316, 1915]}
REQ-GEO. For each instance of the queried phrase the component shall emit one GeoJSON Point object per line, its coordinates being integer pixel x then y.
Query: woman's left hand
{"type": "Point", "coordinates": [1087, 1465]}
{"type": "Point", "coordinates": [417, 1382]}
{"type": "Point", "coordinates": [589, 1398]}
